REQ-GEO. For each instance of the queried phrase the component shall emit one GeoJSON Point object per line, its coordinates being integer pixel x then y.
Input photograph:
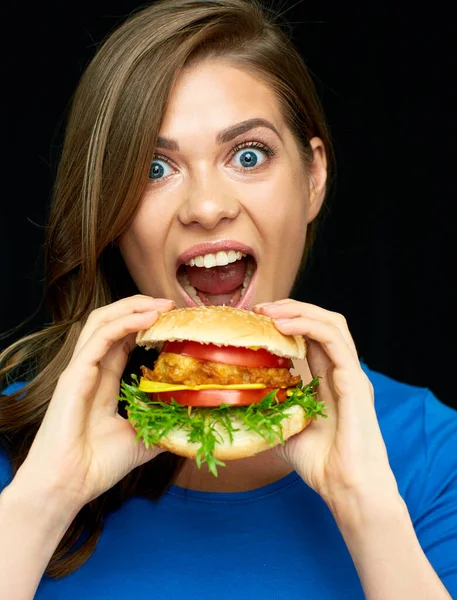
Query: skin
{"type": "Point", "coordinates": [84, 446]}
{"type": "Point", "coordinates": [207, 195]}
{"type": "Point", "coordinates": [343, 458]}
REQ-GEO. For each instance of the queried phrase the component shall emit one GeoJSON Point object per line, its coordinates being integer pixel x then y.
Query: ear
{"type": "Point", "coordinates": [317, 178]}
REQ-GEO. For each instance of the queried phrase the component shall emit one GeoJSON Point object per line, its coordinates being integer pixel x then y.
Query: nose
{"type": "Point", "coordinates": [208, 204]}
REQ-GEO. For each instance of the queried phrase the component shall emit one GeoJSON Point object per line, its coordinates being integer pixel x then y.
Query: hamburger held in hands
{"type": "Point", "coordinates": [221, 387]}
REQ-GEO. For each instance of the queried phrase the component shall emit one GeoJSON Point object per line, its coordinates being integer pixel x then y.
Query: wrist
{"type": "Point", "coordinates": [379, 534]}
{"type": "Point", "coordinates": [44, 508]}
{"type": "Point", "coordinates": [356, 504]}
{"type": "Point", "coordinates": [361, 511]}
{"type": "Point", "coordinates": [32, 526]}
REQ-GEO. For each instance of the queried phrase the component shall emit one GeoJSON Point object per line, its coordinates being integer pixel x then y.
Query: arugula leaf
{"type": "Point", "coordinates": [154, 419]}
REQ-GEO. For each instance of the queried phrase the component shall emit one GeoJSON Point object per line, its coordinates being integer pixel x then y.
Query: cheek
{"type": "Point", "coordinates": [143, 238]}
{"type": "Point", "coordinates": [140, 249]}
{"type": "Point", "coordinates": [288, 208]}
{"type": "Point", "coordinates": [281, 196]}
{"type": "Point", "coordinates": [288, 216]}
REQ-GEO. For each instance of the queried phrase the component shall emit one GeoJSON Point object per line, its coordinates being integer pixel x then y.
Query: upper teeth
{"type": "Point", "coordinates": [215, 260]}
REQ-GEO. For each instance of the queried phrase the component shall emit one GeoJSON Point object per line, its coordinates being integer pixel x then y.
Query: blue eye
{"type": "Point", "coordinates": [248, 158]}
{"type": "Point", "coordinates": [250, 155]}
{"type": "Point", "coordinates": [250, 152]}
{"type": "Point", "coordinates": [157, 170]}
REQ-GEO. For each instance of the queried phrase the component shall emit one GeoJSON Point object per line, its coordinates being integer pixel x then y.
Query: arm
{"type": "Point", "coordinates": [344, 459]}
{"type": "Point", "coordinates": [433, 512]}
{"type": "Point", "coordinates": [32, 525]}
{"type": "Point", "coordinates": [82, 448]}
{"type": "Point", "coordinates": [386, 552]}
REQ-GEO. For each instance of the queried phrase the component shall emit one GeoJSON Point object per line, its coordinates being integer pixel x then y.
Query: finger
{"type": "Point", "coordinates": [288, 308]}
{"type": "Point", "coordinates": [112, 367]}
{"type": "Point", "coordinates": [343, 377]}
{"type": "Point", "coordinates": [91, 385]}
{"type": "Point", "coordinates": [122, 444]}
{"type": "Point", "coordinates": [283, 301]}
{"type": "Point", "coordinates": [139, 449]}
{"type": "Point", "coordinates": [78, 387]}
{"type": "Point", "coordinates": [285, 306]}
{"type": "Point", "coordinates": [329, 337]}
{"type": "Point", "coordinates": [117, 356]}
{"type": "Point", "coordinates": [86, 364]}
{"type": "Point", "coordinates": [320, 365]}
{"type": "Point", "coordinates": [121, 308]}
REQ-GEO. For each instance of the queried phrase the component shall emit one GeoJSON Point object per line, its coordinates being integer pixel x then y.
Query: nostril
{"type": "Point", "coordinates": [209, 213]}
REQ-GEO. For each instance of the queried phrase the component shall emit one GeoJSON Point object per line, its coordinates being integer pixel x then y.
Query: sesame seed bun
{"type": "Point", "coordinates": [223, 326]}
{"type": "Point", "coordinates": [227, 326]}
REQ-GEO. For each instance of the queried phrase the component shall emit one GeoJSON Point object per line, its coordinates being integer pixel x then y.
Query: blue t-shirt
{"type": "Point", "coordinates": [279, 541]}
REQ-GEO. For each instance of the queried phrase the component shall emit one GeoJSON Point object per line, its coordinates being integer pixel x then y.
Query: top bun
{"type": "Point", "coordinates": [223, 326]}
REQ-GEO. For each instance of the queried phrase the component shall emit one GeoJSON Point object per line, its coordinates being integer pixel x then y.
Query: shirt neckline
{"type": "Point", "coordinates": [247, 496]}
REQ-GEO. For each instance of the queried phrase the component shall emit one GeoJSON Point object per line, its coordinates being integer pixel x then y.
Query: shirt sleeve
{"type": "Point", "coordinates": [436, 519]}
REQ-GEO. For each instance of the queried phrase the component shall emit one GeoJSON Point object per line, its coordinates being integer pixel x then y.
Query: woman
{"type": "Point", "coordinates": [197, 122]}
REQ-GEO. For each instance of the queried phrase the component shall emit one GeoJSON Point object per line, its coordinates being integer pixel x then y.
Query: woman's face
{"type": "Point", "coordinates": [226, 181]}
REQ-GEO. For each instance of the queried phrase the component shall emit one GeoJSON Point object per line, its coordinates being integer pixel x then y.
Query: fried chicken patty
{"type": "Point", "coordinates": [186, 370]}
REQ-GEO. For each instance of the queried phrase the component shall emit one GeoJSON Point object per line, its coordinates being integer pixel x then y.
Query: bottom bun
{"type": "Point", "coordinates": [245, 442]}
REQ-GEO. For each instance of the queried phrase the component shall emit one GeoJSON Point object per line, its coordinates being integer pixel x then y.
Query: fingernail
{"type": "Point", "coordinates": [263, 304]}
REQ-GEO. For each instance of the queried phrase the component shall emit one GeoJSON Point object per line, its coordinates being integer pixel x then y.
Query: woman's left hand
{"type": "Point", "coordinates": [345, 453]}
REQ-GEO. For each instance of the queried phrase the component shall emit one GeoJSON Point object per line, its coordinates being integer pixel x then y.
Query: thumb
{"type": "Point", "coordinates": [117, 356]}
{"type": "Point", "coordinates": [141, 453]}
{"type": "Point", "coordinates": [321, 366]}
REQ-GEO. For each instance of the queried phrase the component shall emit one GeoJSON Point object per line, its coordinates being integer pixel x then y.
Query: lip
{"type": "Point", "coordinates": [212, 248]}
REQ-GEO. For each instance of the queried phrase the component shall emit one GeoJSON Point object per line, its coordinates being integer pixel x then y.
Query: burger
{"type": "Point", "coordinates": [221, 387]}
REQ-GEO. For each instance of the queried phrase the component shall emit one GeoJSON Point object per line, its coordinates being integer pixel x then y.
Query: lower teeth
{"type": "Point", "coordinates": [248, 276]}
{"type": "Point", "coordinates": [185, 283]}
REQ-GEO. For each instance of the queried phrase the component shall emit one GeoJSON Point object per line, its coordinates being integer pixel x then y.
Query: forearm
{"type": "Point", "coordinates": [31, 527]}
{"type": "Point", "coordinates": [386, 552]}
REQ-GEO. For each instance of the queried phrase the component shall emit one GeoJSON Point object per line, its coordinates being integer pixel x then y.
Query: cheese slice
{"type": "Point", "coordinates": [158, 386]}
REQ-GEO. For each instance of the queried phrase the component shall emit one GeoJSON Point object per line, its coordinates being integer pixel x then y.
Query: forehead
{"type": "Point", "coordinates": [213, 95]}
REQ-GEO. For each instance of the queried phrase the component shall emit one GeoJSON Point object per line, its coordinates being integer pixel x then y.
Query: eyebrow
{"type": "Point", "coordinates": [226, 135]}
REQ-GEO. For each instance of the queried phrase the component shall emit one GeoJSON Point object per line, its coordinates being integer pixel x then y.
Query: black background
{"type": "Point", "coordinates": [386, 257]}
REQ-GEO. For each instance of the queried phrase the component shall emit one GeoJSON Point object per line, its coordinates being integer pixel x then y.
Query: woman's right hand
{"type": "Point", "coordinates": [83, 446]}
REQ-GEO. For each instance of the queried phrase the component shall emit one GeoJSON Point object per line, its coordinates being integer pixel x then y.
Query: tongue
{"type": "Point", "coordinates": [217, 280]}
{"type": "Point", "coordinates": [218, 285]}
{"type": "Point", "coordinates": [231, 299]}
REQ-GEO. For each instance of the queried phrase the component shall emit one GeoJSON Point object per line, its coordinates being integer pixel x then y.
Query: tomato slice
{"type": "Point", "coordinates": [230, 355]}
{"type": "Point", "coordinates": [211, 398]}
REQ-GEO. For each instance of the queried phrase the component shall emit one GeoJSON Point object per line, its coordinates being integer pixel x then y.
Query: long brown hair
{"type": "Point", "coordinates": [110, 139]}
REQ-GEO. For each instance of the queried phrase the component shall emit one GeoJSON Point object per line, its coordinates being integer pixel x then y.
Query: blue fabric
{"type": "Point", "coordinates": [17, 385]}
{"type": "Point", "coordinates": [279, 541]}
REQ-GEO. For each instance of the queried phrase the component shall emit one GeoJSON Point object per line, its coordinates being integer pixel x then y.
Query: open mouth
{"type": "Point", "coordinates": [220, 279]}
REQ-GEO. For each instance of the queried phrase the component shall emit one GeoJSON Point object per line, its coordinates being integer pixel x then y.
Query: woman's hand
{"type": "Point", "coordinates": [83, 446]}
{"type": "Point", "coordinates": [343, 455]}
